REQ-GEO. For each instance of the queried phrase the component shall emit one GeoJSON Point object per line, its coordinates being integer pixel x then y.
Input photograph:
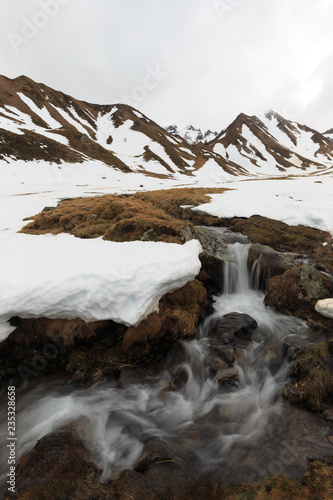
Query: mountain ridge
{"type": "Point", "coordinates": [40, 123]}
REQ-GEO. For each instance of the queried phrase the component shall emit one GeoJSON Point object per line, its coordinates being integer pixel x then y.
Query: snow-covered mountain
{"type": "Point", "coordinates": [191, 134]}
{"type": "Point", "coordinates": [271, 144]}
{"type": "Point", "coordinates": [39, 123]}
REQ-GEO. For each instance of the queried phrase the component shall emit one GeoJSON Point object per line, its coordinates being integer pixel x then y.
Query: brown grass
{"type": "Point", "coordinates": [154, 216]}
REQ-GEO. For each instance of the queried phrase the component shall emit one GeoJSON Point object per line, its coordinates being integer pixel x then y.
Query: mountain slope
{"type": "Point", "coordinates": [272, 145]}
{"type": "Point", "coordinates": [40, 123]}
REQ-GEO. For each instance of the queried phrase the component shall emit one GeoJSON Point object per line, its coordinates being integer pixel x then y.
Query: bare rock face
{"type": "Point", "coordinates": [233, 325]}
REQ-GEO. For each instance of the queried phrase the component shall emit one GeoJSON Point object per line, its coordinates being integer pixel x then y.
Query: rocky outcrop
{"type": "Point", "coordinates": [213, 257]}
{"type": "Point", "coordinates": [297, 291]}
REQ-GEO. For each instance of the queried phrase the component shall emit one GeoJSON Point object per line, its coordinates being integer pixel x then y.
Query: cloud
{"type": "Point", "coordinates": [222, 57]}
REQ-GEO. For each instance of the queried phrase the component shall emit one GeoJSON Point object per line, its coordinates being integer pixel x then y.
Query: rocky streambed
{"type": "Point", "coordinates": [161, 408]}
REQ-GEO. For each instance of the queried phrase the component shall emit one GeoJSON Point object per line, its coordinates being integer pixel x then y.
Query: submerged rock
{"type": "Point", "coordinates": [154, 452]}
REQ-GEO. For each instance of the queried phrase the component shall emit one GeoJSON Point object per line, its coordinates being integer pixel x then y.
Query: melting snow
{"type": "Point", "coordinates": [66, 277]}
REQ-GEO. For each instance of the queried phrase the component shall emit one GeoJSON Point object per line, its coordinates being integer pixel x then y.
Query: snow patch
{"type": "Point", "coordinates": [66, 277]}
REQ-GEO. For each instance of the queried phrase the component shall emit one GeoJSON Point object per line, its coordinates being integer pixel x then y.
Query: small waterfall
{"type": "Point", "coordinates": [236, 275]}
{"type": "Point", "coordinates": [235, 434]}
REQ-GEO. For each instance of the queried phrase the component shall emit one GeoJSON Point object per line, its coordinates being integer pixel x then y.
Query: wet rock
{"type": "Point", "coordinates": [233, 324]}
{"type": "Point", "coordinates": [259, 335]}
{"type": "Point", "coordinates": [180, 379]}
{"type": "Point", "coordinates": [223, 353]}
{"type": "Point", "coordinates": [215, 253]}
{"type": "Point", "coordinates": [154, 452]}
{"type": "Point", "coordinates": [227, 376]}
{"type": "Point", "coordinates": [266, 262]}
{"type": "Point", "coordinates": [297, 291]}
{"type": "Point", "coordinates": [59, 467]}
{"type": "Point", "coordinates": [328, 414]}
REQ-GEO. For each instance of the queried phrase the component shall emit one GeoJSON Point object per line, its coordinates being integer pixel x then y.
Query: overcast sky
{"type": "Point", "coordinates": [179, 61]}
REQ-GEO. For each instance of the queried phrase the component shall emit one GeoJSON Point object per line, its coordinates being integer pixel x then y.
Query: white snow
{"type": "Point", "coordinates": [43, 113]}
{"type": "Point", "coordinates": [325, 307]}
{"type": "Point", "coordinates": [77, 124]}
{"type": "Point", "coordinates": [66, 277]}
{"type": "Point", "coordinates": [23, 121]}
{"type": "Point", "coordinates": [295, 201]}
{"type": "Point", "coordinates": [211, 173]}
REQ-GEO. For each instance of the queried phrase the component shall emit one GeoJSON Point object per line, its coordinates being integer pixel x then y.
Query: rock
{"type": "Point", "coordinates": [328, 414]}
{"type": "Point", "coordinates": [330, 438]}
{"type": "Point", "coordinates": [215, 253]}
{"type": "Point", "coordinates": [227, 376]}
{"type": "Point", "coordinates": [48, 209]}
{"type": "Point", "coordinates": [84, 138]}
{"type": "Point", "coordinates": [325, 307]}
{"type": "Point", "coordinates": [180, 379]}
{"type": "Point", "coordinates": [231, 325]}
{"type": "Point", "coordinates": [259, 335]}
{"type": "Point", "coordinates": [224, 354]}
{"type": "Point", "coordinates": [297, 291]}
{"type": "Point", "coordinates": [265, 262]}
{"type": "Point", "coordinates": [153, 452]}
{"type": "Point", "coordinates": [59, 467]}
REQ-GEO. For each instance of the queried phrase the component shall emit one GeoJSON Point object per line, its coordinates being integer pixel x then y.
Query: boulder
{"type": "Point", "coordinates": [297, 291]}
{"type": "Point", "coordinates": [233, 324]}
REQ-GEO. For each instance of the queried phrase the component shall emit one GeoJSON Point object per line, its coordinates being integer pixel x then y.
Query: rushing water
{"type": "Point", "coordinates": [239, 434]}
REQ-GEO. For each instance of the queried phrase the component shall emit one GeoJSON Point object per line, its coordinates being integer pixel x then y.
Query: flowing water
{"type": "Point", "coordinates": [233, 434]}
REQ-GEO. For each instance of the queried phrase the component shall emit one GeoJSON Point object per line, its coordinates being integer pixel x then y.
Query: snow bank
{"type": "Point", "coordinates": [66, 277]}
{"type": "Point", "coordinates": [325, 307]}
{"type": "Point", "coordinates": [306, 201]}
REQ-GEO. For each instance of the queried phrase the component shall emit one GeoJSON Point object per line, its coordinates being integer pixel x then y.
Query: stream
{"type": "Point", "coordinates": [233, 433]}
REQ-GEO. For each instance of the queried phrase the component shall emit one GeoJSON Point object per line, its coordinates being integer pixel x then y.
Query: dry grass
{"type": "Point", "coordinates": [154, 216]}
{"type": "Point", "coordinates": [315, 375]}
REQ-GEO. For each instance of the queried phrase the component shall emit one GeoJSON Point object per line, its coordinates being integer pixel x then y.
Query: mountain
{"type": "Point", "coordinates": [40, 123]}
{"type": "Point", "coordinates": [271, 144]}
{"type": "Point", "coordinates": [191, 134]}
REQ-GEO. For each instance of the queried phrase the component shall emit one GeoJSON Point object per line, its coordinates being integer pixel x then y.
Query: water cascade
{"type": "Point", "coordinates": [233, 433]}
